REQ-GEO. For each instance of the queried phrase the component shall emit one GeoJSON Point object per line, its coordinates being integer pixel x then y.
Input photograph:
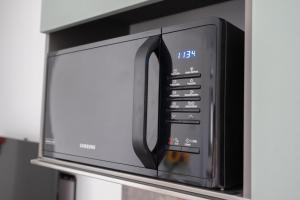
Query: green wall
{"type": "Point", "coordinates": [57, 14]}
{"type": "Point", "coordinates": [275, 100]}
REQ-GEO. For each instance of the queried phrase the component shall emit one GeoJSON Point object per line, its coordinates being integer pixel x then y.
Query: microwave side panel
{"type": "Point", "coordinates": [233, 108]}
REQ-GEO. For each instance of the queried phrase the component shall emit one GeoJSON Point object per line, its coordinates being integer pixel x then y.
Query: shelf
{"type": "Point", "coordinates": [154, 185]}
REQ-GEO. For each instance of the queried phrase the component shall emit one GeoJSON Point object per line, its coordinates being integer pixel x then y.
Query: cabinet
{"type": "Point", "coordinates": [58, 14]}
{"type": "Point", "coordinates": [138, 20]}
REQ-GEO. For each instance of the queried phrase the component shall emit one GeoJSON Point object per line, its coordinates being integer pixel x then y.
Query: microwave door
{"type": "Point", "coordinates": [96, 106]}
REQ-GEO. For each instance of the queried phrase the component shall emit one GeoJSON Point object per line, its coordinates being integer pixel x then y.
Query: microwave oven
{"type": "Point", "coordinates": [165, 103]}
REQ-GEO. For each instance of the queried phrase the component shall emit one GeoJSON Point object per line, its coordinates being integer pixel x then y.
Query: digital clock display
{"type": "Point", "coordinates": [186, 54]}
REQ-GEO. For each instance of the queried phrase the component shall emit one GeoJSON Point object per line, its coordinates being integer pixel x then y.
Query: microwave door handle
{"type": "Point", "coordinates": [140, 96]}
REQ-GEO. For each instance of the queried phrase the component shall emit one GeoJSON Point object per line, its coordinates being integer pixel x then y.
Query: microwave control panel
{"type": "Point", "coordinates": [183, 112]}
{"type": "Point", "coordinates": [187, 101]}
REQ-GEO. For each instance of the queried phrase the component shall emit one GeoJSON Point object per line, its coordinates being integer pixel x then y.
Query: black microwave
{"type": "Point", "coordinates": [166, 104]}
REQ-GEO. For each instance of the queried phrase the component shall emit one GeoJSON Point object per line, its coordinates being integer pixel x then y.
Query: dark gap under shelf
{"type": "Point", "coordinates": [119, 24]}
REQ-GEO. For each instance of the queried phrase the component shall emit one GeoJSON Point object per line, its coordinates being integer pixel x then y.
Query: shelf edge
{"type": "Point", "coordinates": [158, 186]}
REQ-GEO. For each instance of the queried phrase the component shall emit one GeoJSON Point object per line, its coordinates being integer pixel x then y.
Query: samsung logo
{"type": "Point", "coordinates": [87, 146]}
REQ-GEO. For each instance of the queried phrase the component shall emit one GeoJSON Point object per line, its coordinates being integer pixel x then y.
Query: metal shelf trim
{"type": "Point", "coordinates": [163, 187]}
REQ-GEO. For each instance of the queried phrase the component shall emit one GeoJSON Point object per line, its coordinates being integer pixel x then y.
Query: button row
{"type": "Point", "coordinates": [184, 70]}
{"type": "Point", "coordinates": [183, 149]}
{"type": "Point", "coordinates": [184, 93]}
{"type": "Point", "coordinates": [184, 104]}
{"type": "Point", "coordinates": [184, 82]}
{"type": "Point", "coordinates": [184, 116]}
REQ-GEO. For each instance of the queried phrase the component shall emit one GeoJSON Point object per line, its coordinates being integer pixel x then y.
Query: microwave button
{"type": "Point", "coordinates": [191, 104]}
{"type": "Point", "coordinates": [191, 150]}
{"type": "Point", "coordinates": [175, 83]}
{"type": "Point", "coordinates": [174, 104]}
{"type": "Point", "coordinates": [184, 93]}
{"type": "Point", "coordinates": [175, 94]}
{"type": "Point", "coordinates": [191, 93]}
{"type": "Point", "coordinates": [192, 81]}
{"type": "Point", "coordinates": [184, 82]}
{"type": "Point", "coordinates": [184, 104]}
{"type": "Point", "coordinates": [175, 72]}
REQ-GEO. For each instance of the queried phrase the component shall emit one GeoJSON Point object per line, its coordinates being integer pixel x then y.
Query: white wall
{"type": "Point", "coordinates": [275, 100]}
{"type": "Point", "coordinates": [59, 14]}
{"type": "Point", "coordinates": [94, 189]}
{"type": "Point", "coordinates": [21, 69]}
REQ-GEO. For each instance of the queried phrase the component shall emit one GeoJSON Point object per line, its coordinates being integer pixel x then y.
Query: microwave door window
{"type": "Point", "coordinates": [89, 106]}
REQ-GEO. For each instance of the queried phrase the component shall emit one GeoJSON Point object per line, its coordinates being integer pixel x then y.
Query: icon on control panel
{"type": "Point", "coordinates": [176, 141]}
{"type": "Point", "coordinates": [173, 141]}
{"type": "Point", "coordinates": [192, 71]}
{"type": "Point", "coordinates": [175, 72]}
{"type": "Point", "coordinates": [174, 94]}
{"type": "Point", "coordinates": [191, 82]}
{"type": "Point", "coordinates": [191, 94]}
{"type": "Point", "coordinates": [170, 141]}
{"type": "Point", "coordinates": [189, 142]}
{"type": "Point", "coordinates": [175, 83]}
{"type": "Point", "coordinates": [173, 116]}
{"type": "Point", "coordinates": [174, 105]}
{"type": "Point", "coordinates": [190, 116]}
{"type": "Point", "coordinates": [191, 104]}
